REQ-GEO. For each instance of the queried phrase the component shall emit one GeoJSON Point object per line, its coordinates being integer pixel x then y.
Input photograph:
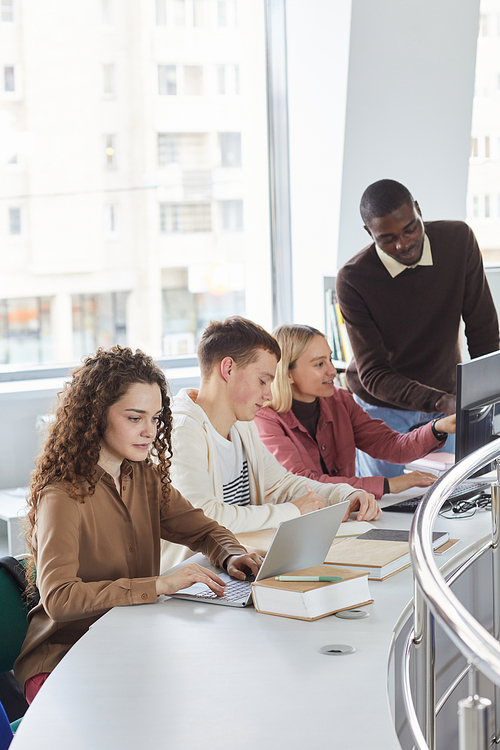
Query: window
{"type": "Point", "coordinates": [15, 227]}
{"type": "Point", "coordinates": [227, 13]}
{"type": "Point", "coordinates": [108, 80]}
{"type": "Point", "coordinates": [483, 25]}
{"type": "Point", "coordinates": [487, 206]}
{"type": "Point", "coordinates": [473, 150]}
{"type": "Point", "coordinates": [7, 11]}
{"type": "Point", "coordinates": [98, 320]}
{"type": "Point", "coordinates": [198, 13]}
{"type": "Point", "coordinates": [228, 79]}
{"type": "Point", "coordinates": [232, 215]}
{"type": "Point", "coordinates": [185, 217]}
{"type": "Point", "coordinates": [193, 80]}
{"type": "Point", "coordinates": [161, 12]}
{"type": "Point", "coordinates": [179, 12]}
{"type": "Point", "coordinates": [106, 13]}
{"type": "Point", "coordinates": [191, 150]}
{"type": "Point", "coordinates": [111, 217]}
{"type": "Point", "coordinates": [221, 13]}
{"type": "Point", "coordinates": [230, 149]}
{"type": "Point", "coordinates": [487, 147]}
{"type": "Point", "coordinates": [110, 151]}
{"type": "Point", "coordinates": [25, 331]}
{"type": "Point", "coordinates": [9, 79]}
{"type": "Point", "coordinates": [167, 80]}
{"type": "Point", "coordinates": [13, 159]}
{"type": "Point", "coordinates": [475, 206]}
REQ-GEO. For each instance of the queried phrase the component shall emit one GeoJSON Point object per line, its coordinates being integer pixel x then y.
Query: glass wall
{"type": "Point", "coordinates": [134, 202]}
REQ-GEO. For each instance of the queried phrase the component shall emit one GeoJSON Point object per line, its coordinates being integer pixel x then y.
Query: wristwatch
{"type": "Point", "coordinates": [438, 435]}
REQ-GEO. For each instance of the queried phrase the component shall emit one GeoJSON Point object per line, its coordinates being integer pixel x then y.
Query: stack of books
{"type": "Point", "coordinates": [381, 552]}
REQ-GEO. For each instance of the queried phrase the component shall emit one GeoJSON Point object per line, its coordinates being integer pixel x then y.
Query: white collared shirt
{"type": "Point", "coordinates": [395, 267]}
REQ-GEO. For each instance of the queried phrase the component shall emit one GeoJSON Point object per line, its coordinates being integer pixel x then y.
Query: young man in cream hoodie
{"type": "Point", "coordinates": [219, 462]}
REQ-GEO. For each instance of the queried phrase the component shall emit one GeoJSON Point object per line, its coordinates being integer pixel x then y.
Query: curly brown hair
{"type": "Point", "coordinates": [71, 450]}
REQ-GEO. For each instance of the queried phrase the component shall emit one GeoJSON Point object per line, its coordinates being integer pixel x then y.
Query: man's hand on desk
{"type": "Point", "coordinates": [239, 566]}
{"type": "Point", "coordinates": [412, 479]}
{"type": "Point", "coordinates": [365, 503]}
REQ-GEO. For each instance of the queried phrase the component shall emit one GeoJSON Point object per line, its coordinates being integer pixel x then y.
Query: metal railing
{"type": "Point", "coordinates": [434, 601]}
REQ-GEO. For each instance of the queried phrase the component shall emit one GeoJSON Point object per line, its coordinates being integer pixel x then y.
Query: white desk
{"type": "Point", "coordinates": [183, 676]}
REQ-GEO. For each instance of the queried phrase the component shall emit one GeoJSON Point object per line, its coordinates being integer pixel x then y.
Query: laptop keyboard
{"type": "Point", "coordinates": [464, 491]}
{"type": "Point", "coordinates": [235, 590]}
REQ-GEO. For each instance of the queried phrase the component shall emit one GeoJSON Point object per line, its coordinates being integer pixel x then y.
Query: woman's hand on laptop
{"type": "Point", "coordinates": [365, 503]}
{"type": "Point", "coordinates": [186, 576]}
{"type": "Point", "coordinates": [239, 566]}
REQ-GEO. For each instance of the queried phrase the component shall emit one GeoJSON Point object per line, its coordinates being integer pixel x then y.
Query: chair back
{"type": "Point", "coordinates": [5, 730]}
{"type": "Point", "coordinates": [13, 622]}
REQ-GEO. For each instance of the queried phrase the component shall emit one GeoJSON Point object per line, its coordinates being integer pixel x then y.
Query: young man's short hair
{"type": "Point", "coordinates": [234, 337]}
{"type": "Point", "coordinates": [382, 198]}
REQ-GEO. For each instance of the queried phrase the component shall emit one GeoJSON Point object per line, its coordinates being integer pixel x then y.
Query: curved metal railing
{"type": "Point", "coordinates": [434, 599]}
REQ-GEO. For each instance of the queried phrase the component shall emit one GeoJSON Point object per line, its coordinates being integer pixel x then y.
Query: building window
{"type": "Point", "coordinates": [190, 150]}
{"type": "Point", "coordinates": [228, 79]}
{"type": "Point", "coordinates": [230, 149]}
{"type": "Point", "coordinates": [108, 80]}
{"type": "Point", "coordinates": [110, 151]}
{"type": "Point", "coordinates": [185, 217]}
{"type": "Point", "coordinates": [106, 13]}
{"type": "Point", "coordinates": [198, 13]}
{"type": "Point", "coordinates": [7, 11]}
{"type": "Point", "coordinates": [487, 147]}
{"type": "Point", "coordinates": [161, 12]}
{"type": "Point", "coordinates": [98, 320]}
{"type": "Point", "coordinates": [232, 215]}
{"type": "Point", "coordinates": [487, 206]}
{"type": "Point", "coordinates": [473, 147]}
{"type": "Point", "coordinates": [111, 219]}
{"type": "Point", "coordinates": [179, 12]}
{"type": "Point", "coordinates": [13, 159]}
{"type": "Point", "coordinates": [167, 80]}
{"type": "Point", "coordinates": [475, 206]}
{"type": "Point", "coordinates": [25, 335]}
{"type": "Point", "coordinates": [9, 78]}
{"type": "Point", "coordinates": [15, 226]}
{"type": "Point", "coordinates": [483, 25]}
{"type": "Point", "coordinates": [193, 80]}
{"type": "Point", "coordinates": [221, 13]}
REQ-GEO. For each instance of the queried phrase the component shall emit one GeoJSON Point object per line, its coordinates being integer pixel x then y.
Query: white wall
{"type": "Point", "coordinates": [376, 89]}
{"type": "Point", "coordinates": [409, 106]}
{"type": "Point", "coordinates": [318, 56]}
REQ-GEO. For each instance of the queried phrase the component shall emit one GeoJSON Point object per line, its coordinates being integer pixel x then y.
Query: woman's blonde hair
{"type": "Point", "coordinates": [293, 340]}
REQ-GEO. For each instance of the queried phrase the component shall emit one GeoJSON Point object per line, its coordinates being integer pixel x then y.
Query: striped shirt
{"type": "Point", "coordinates": [233, 468]}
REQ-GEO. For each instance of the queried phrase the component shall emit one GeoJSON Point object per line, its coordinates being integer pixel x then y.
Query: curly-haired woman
{"type": "Point", "coordinates": [100, 500]}
{"type": "Point", "coordinates": [313, 428]}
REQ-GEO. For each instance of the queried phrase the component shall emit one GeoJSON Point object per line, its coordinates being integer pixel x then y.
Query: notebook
{"type": "Point", "coordinates": [298, 543]}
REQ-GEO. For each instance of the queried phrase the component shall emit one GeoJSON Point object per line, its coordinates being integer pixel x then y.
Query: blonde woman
{"type": "Point", "coordinates": [313, 428]}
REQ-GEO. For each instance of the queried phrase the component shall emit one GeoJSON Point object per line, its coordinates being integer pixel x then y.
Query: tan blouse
{"type": "Point", "coordinates": [105, 553]}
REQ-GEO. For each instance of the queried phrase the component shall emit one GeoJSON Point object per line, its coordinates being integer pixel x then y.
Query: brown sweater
{"type": "Point", "coordinates": [105, 553]}
{"type": "Point", "coordinates": [405, 330]}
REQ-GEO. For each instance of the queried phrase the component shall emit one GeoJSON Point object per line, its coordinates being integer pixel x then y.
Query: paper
{"type": "Point", "coordinates": [353, 528]}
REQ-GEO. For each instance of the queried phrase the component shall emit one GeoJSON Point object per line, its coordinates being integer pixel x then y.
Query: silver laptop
{"type": "Point", "coordinates": [297, 544]}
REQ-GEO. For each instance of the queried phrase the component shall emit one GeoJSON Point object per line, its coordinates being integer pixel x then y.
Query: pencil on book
{"type": "Point", "coordinates": [327, 579]}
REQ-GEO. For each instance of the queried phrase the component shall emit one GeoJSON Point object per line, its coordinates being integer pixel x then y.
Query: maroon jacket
{"type": "Point", "coordinates": [343, 426]}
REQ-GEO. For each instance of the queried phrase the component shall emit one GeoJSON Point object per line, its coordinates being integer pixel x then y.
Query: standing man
{"type": "Point", "coordinates": [403, 298]}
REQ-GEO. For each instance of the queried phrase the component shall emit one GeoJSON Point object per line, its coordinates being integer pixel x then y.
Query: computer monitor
{"type": "Point", "coordinates": [478, 404]}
